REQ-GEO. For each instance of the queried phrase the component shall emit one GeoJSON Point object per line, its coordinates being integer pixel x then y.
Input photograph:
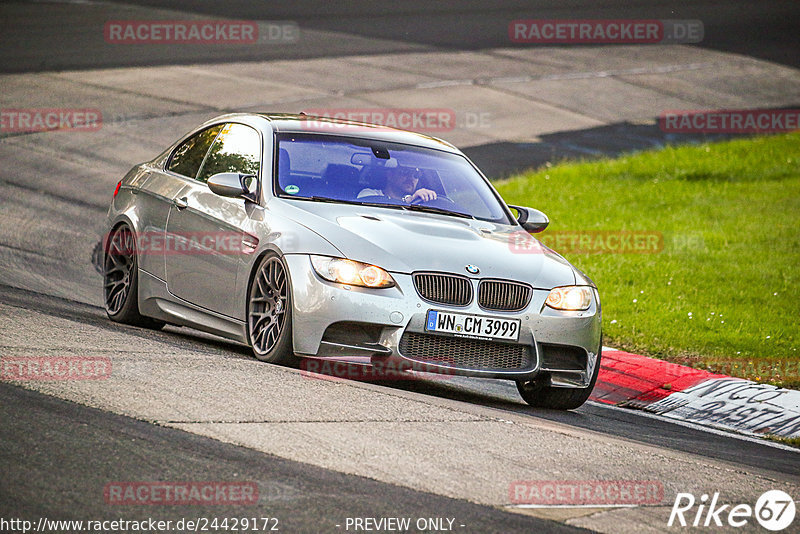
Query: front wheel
{"type": "Point", "coordinates": [541, 396]}
{"type": "Point", "coordinates": [269, 312]}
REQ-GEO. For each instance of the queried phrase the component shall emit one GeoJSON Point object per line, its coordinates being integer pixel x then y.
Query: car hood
{"type": "Point", "coordinates": [405, 242]}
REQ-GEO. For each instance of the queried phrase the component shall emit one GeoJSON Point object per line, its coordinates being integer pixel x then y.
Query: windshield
{"type": "Point", "coordinates": [360, 171]}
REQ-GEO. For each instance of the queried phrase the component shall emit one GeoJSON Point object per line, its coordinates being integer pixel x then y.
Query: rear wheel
{"type": "Point", "coordinates": [121, 280]}
{"type": "Point", "coordinates": [539, 395]}
{"type": "Point", "coordinates": [269, 312]}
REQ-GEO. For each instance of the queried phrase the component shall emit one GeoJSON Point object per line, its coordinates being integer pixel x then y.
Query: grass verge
{"type": "Point", "coordinates": [716, 283]}
{"type": "Point", "coordinates": [793, 442]}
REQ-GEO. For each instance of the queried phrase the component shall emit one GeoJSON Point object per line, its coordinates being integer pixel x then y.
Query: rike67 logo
{"type": "Point", "coordinates": [774, 510]}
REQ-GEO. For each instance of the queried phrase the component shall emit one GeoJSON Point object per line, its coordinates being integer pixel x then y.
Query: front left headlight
{"type": "Point", "coordinates": [570, 298]}
{"type": "Point", "coordinates": [352, 273]}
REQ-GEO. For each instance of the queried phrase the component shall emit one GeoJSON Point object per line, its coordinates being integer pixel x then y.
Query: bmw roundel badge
{"type": "Point", "coordinates": [472, 269]}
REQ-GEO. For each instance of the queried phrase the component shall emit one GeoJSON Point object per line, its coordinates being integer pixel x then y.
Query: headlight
{"type": "Point", "coordinates": [353, 273]}
{"type": "Point", "coordinates": [571, 298]}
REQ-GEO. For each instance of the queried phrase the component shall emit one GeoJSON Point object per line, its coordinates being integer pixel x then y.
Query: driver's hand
{"type": "Point", "coordinates": [424, 195]}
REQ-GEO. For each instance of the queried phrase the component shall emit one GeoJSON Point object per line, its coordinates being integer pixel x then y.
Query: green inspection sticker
{"type": "Point", "coordinates": [292, 189]}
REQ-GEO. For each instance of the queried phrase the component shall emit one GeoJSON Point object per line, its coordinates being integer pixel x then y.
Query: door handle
{"type": "Point", "coordinates": [181, 203]}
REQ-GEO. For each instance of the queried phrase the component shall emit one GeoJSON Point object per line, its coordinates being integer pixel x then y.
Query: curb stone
{"type": "Point", "coordinates": [694, 395]}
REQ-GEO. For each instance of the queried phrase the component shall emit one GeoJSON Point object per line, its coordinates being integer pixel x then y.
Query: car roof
{"type": "Point", "coordinates": [312, 124]}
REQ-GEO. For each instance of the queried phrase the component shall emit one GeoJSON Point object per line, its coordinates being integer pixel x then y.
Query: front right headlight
{"type": "Point", "coordinates": [352, 273]}
{"type": "Point", "coordinates": [570, 298]}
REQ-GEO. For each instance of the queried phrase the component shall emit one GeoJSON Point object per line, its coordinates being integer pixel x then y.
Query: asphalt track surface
{"type": "Point", "coordinates": [320, 451]}
{"type": "Point", "coordinates": [39, 436]}
{"type": "Point", "coordinates": [766, 30]}
{"type": "Point", "coordinates": [58, 455]}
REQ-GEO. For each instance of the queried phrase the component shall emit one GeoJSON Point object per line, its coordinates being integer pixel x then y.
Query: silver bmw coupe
{"type": "Point", "coordinates": [319, 238]}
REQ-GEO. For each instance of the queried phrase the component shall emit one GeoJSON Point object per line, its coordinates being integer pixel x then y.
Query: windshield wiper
{"type": "Point", "coordinates": [410, 207]}
{"type": "Point", "coordinates": [336, 201]}
{"type": "Point", "coordinates": [431, 209]}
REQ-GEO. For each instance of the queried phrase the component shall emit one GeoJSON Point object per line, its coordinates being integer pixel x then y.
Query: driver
{"type": "Point", "coordinates": [401, 184]}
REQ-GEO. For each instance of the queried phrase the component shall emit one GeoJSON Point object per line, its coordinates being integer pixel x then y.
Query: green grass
{"type": "Point", "coordinates": [794, 442]}
{"type": "Point", "coordinates": [724, 292]}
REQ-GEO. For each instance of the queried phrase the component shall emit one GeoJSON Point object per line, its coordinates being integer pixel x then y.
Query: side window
{"type": "Point", "coordinates": [237, 149]}
{"type": "Point", "coordinates": [188, 157]}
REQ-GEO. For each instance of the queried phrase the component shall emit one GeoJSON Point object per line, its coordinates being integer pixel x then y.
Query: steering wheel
{"type": "Point", "coordinates": [439, 202]}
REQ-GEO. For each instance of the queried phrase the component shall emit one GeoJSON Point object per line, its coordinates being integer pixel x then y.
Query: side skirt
{"type": "Point", "coordinates": [157, 302]}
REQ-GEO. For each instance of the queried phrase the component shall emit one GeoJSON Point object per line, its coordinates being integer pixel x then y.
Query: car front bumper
{"type": "Point", "coordinates": [388, 325]}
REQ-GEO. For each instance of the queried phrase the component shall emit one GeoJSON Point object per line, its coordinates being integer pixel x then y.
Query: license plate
{"type": "Point", "coordinates": [477, 326]}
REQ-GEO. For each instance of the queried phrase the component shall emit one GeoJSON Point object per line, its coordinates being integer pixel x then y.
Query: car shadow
{"type": "Point", "coordinates": [502, 159]}
{"type": "Point", "coordinates": [492, 393]}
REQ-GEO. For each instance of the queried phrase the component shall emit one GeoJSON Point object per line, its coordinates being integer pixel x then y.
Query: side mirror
{"type": "Point", "coordinates": [231, 184]}
{"type": "Point", "coordinates": [534, 221]}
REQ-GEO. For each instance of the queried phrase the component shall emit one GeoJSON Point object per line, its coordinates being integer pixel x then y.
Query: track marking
{"type": "Point", "coordinates": [710, 430]}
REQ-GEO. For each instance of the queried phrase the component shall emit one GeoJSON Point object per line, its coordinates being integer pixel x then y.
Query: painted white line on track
{"type": "Point", "coordinates": [710, 430]}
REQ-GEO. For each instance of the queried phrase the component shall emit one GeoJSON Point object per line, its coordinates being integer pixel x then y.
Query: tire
{"type": "Point", "coordinates": [269, 312]}
{"type": "Point", "coordinates": [121, 280]}
{"type": "Point", "coordinates": [540, 396]}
